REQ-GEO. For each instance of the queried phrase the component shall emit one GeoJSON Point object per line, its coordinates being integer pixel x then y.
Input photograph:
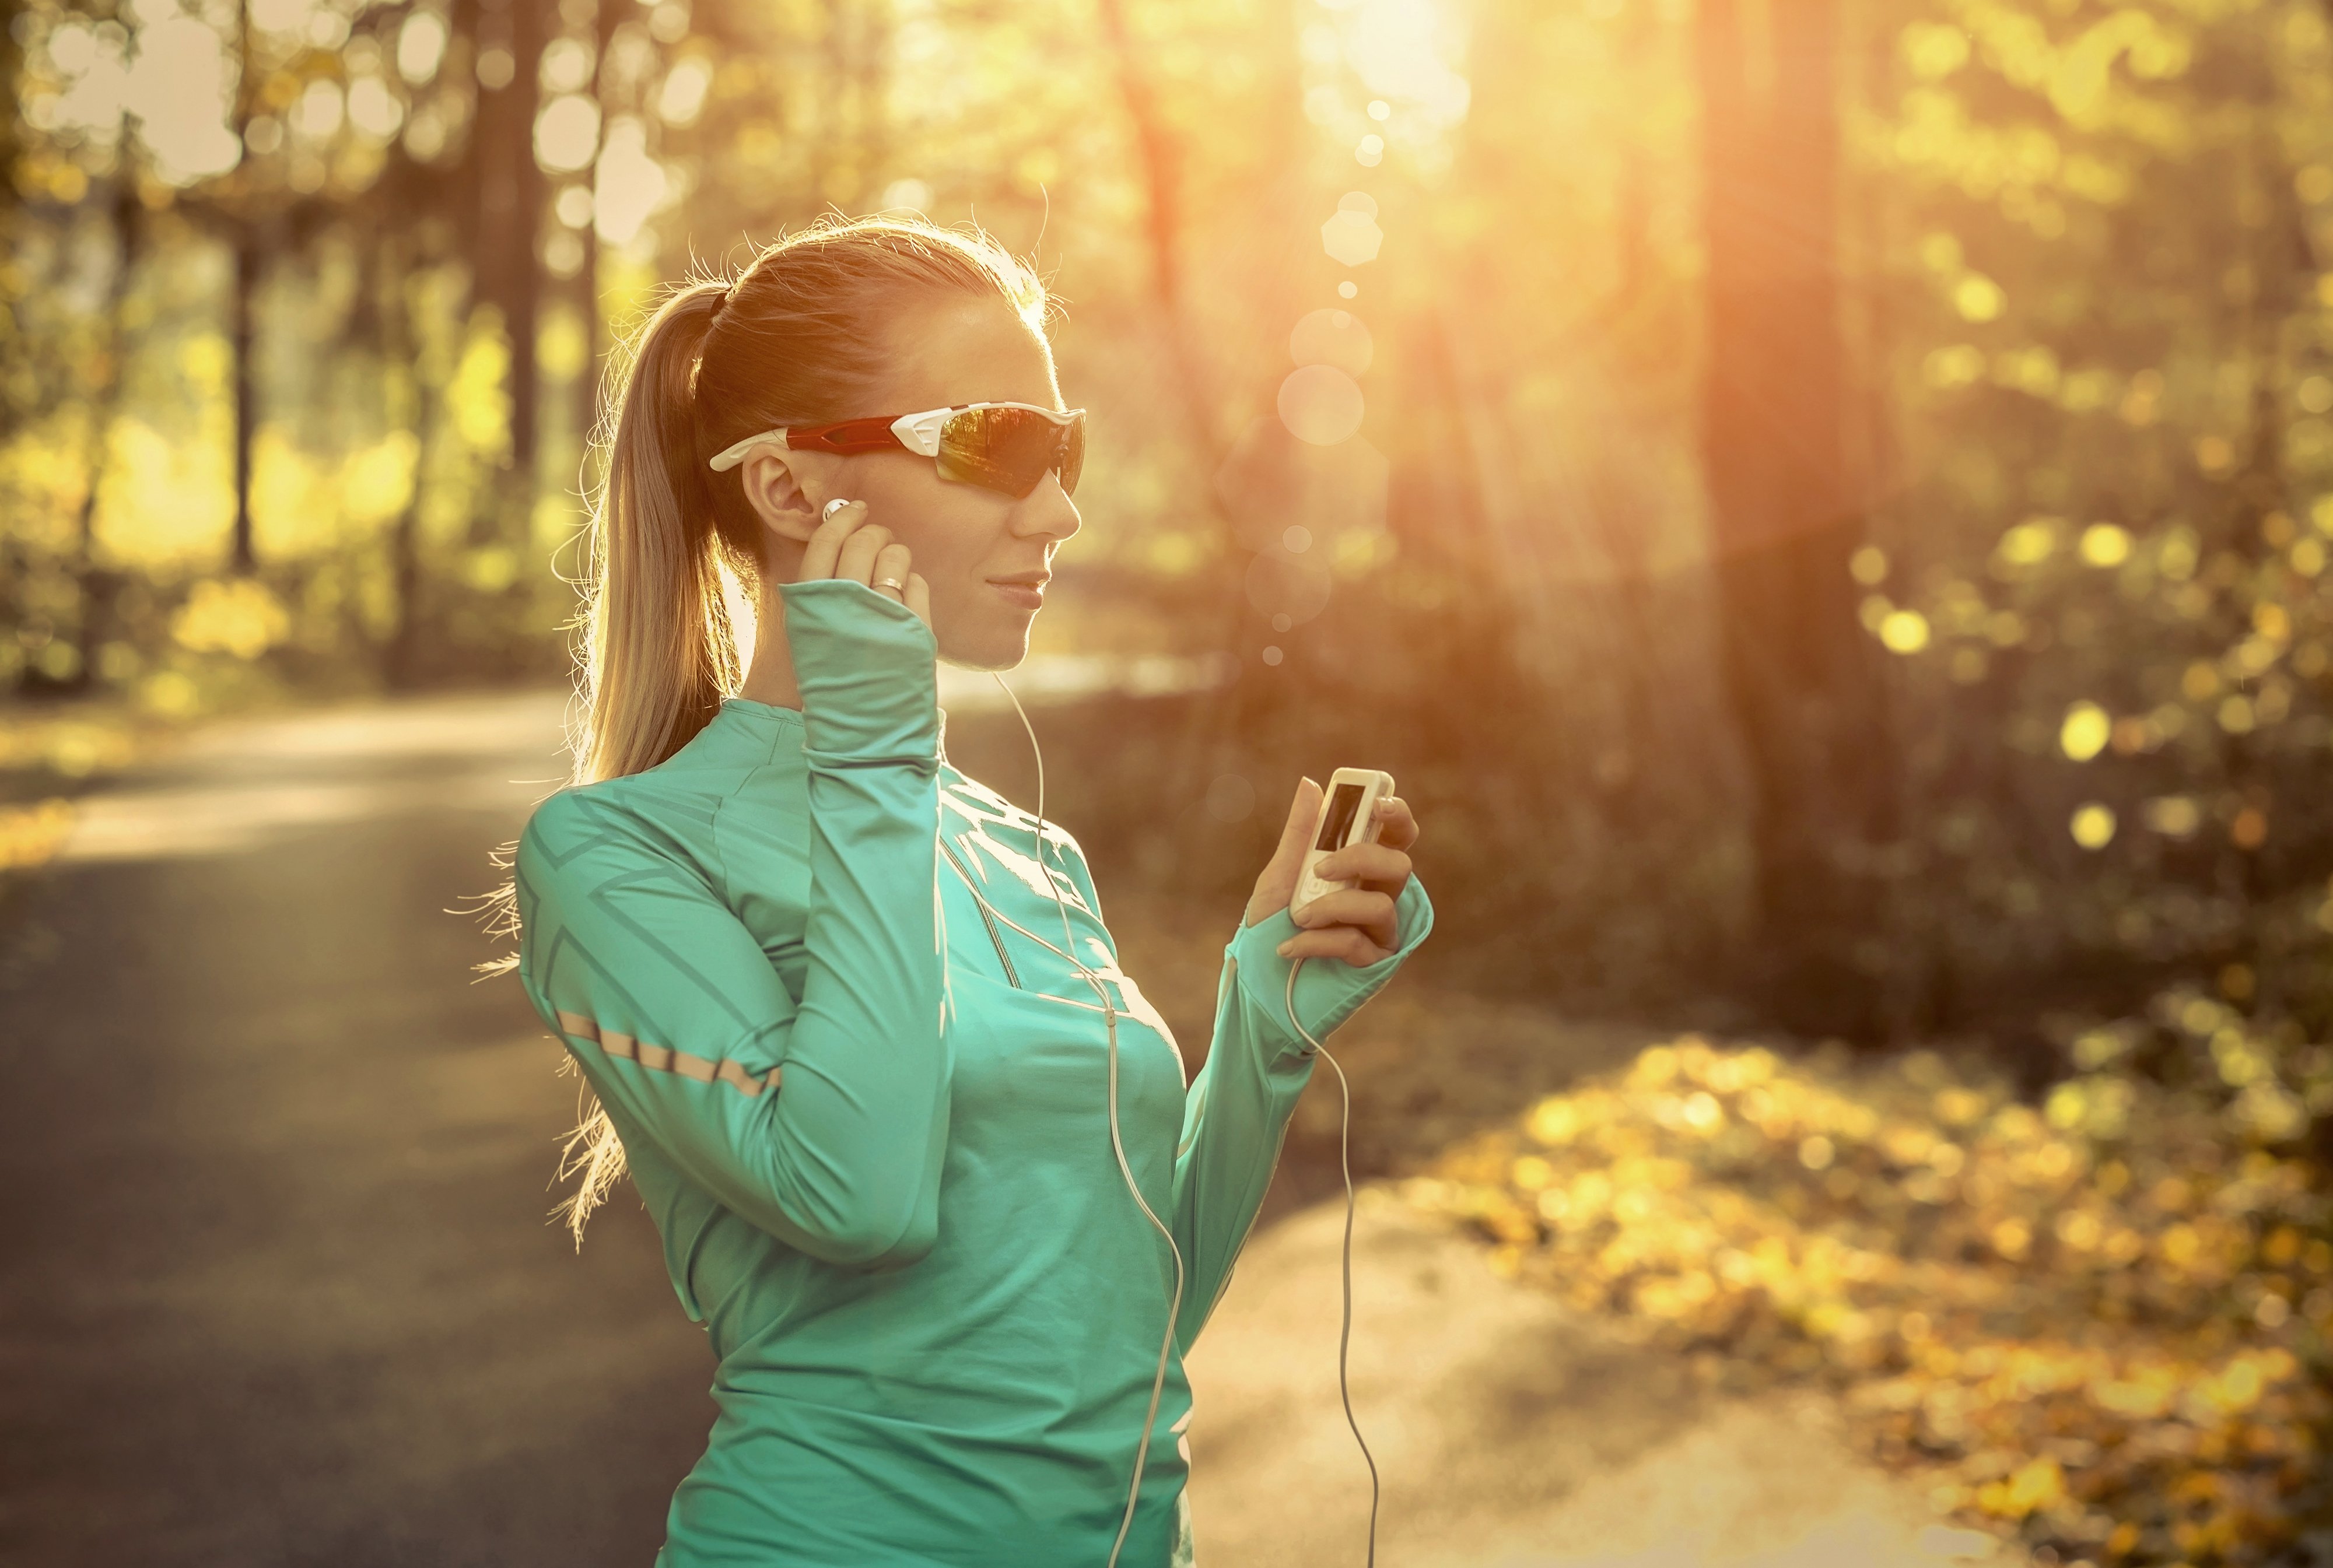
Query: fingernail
{"type": "Point", "coordinates": [1284, 948]}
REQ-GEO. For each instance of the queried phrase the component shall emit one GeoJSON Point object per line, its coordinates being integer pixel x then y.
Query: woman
{"type": "Point", "coordinates": [854, 1020]}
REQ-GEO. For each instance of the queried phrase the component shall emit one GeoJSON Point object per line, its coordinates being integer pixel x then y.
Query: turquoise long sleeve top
{"type": "Point", "coordinates": [869, 1118]}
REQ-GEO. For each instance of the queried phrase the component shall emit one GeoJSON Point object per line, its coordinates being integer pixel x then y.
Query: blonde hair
{"type": "Point", "coordinates": [799, 337]}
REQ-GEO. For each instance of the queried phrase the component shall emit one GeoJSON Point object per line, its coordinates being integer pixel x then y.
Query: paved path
{"type": "Point", "coordinates": [275, 1284]}
{"type": "Point", "coordinates": [277, 1287]}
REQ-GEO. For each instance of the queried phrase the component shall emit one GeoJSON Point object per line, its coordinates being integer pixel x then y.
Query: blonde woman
{"type": "Point", "coordinates": [924, 1159]}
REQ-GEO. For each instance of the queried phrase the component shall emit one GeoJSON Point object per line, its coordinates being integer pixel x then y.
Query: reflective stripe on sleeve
{"type": "Point", "coordinates": [665, 1059]}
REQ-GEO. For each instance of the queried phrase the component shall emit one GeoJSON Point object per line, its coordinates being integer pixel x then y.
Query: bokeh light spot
{"type": "Point", "coordinates": [1320, 404]}
{"type": "Point", "coordinates": [2173, 815]}
{"type": "Point", "coordinates": [1352, 237]}
{"type": "Point", "coordinates": [1230, 798]}
{"type": "Point", "coordinates": [566, 133]}
{"type": "Point", "coordinates": [1332, 337]}
{"type": "Point", "coordinates": [2093, 824]}
{"type": "Point", "coordinates": [1904, 631]}
{"type": "Point", "coordinates": [1978, 298]}
{"type": "Point", "coordinates": [2106, 544]}
{"type": "Point", "coordinates": [420, 46]}
{"type": "Point", "coordinates": [1294, 589]}
{"type": "Point", "coordinates": [2084, 733]}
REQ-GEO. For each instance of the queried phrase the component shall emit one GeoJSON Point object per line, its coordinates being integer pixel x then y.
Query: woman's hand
{"type": "Point", "coordinates": [1357, 926]}
{"type": "Point", "coordinates": [846, 545]}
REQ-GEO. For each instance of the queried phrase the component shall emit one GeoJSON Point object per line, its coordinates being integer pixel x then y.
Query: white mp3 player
{"type": "Point", "coordinates": [1349, 814]}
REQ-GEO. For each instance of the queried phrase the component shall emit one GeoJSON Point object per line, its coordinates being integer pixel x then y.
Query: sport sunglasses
{"type": "Point", "coordinates": [1005, 447]}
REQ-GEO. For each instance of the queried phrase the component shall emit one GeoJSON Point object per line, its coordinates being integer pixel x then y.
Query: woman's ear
{"type": "Point", "coordinates": [784, 489]}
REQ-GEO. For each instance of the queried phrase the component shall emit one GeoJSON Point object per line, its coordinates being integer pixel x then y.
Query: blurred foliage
{"type": "Point", "coordinates": [1393, 316]}
{"type": "Point", "coordinates": [2103, 324]}
{"type": "Point", "coordinates": [2103, 1326]}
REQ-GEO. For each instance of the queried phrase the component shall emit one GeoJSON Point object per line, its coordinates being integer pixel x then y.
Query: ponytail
{"type": "Point", "coordinates": [660, 652]}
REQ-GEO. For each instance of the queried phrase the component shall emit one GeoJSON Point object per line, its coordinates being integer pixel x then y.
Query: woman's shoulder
{"type": "Point", "coordinates": [647, 816]}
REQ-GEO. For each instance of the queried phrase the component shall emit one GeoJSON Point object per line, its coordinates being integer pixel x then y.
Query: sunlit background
{"type": "Point", "coordinates": [1825, 508]}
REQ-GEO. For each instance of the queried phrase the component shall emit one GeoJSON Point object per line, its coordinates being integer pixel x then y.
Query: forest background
{"type": "Point", "coordinates": [1825, 508]}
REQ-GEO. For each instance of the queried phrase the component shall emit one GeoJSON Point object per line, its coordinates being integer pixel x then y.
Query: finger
{"type": "Point", "coordinates": [1369, 911]}
{"type": "Point", "coordinates": [826, 540]}
{"type": "Point", "coordinates": [1342, 941]}
{"type": "Point", "coordinates": [857, 563]}
{"type": "Point", "coordinates": [919, 596]}
{"type": "Point", "coordinates": [1366, 863]}
{"type": "Point", "coordinates": [1277, 879]}
{"type": "Point", "coordinates": [1400, 828]}
{"type": "Point", "coordinates": [891, 564]}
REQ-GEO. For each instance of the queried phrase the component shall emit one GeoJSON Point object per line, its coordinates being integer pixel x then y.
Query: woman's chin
{"type": "Point", "coordinates": [988, 647]}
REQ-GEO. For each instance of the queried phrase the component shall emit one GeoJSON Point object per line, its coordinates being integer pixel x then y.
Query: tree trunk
{"type": "Point", "coordinates": [96, 586]}
{"type": "Point", "coordinates": [597, 338]}
{"type": "Point", "coordinates": [246, 388]}
{"type": "Point", "coordinates": [1801, 675]}
{"type": "Point", "coordinates": [506, 235]}
{"type": "Point", "coordinates": [1160, 159]}
{"type": "Point", "coordinates": [409, 404]}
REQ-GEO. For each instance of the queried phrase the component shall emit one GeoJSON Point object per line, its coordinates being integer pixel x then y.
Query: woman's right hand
{"type": "Point", "coordinates": [846, 545]}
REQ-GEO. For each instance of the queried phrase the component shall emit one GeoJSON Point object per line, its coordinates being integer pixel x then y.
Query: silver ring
{"type": "Point", "coordinates": [894, 584]}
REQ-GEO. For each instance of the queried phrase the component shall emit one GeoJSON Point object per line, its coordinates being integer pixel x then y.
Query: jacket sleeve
{"type": "Point", "coordinates": [1236, 1111]}
{"type": "Point", "coordinates": [823, 1122]}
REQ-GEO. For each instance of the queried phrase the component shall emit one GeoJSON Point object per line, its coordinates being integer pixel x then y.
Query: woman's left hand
{"type": "Point", "coordinates": [1357, 926]}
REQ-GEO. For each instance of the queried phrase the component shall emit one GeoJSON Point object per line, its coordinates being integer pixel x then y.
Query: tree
{"type": "Point", "coordinates": [1784, 524]}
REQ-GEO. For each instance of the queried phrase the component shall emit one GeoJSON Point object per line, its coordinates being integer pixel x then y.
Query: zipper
{"type": "Point", "coordinates": [986, 919]}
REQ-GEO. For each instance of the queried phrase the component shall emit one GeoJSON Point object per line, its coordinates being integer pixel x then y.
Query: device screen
{"type": "Point", "coordinates": [1337, 820]}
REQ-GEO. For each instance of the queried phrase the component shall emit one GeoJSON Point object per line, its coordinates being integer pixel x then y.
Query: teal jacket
{"type": "Point", "coordinates": [870, 1121]}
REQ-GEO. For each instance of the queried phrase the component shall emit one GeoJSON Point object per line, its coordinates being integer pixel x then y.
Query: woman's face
{"type": "Point", "coordinates": [985, 554]}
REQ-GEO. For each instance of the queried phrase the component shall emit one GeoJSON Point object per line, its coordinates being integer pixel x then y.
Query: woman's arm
{"type": "Point", "coordinates": [1235, 1114]}
{"type": "Point", "coordinates": [676, 1015]}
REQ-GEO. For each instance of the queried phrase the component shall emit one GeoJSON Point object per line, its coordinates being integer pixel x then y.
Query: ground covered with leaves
{"type": "Point", "coordinates": [2098, 1324]}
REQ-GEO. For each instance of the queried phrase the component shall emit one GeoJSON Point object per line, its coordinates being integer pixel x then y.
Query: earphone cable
{"type": "Point", "coordinates": [1117, 1143]}
{"type": "Point", "coordinates": [1345, 1320]}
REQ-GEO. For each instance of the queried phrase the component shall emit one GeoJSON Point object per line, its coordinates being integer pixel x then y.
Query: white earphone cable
{"type": "Point", "coordinates": [1117, 1147]}
{"type": "Point", "coordinates": [1117, 1143]}
{"type": "Point", "coordinates": [1345, 1320]}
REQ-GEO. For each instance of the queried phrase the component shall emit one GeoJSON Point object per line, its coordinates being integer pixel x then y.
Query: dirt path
{"type": "Point", "coordinates": [1510, 1433]}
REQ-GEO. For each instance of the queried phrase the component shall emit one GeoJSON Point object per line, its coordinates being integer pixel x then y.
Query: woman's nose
{"type": "Point", "coordinates": [1047, 511]}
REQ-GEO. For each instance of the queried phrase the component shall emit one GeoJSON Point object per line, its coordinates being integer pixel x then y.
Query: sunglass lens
{"type": "Point", "coordinates": [1073, 454]}
{"type": "Point", "coordinates": [1009, 449]}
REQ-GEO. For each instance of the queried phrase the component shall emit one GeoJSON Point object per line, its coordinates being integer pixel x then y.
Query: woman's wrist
{"type": "Point", "coordinates": [867, 668]}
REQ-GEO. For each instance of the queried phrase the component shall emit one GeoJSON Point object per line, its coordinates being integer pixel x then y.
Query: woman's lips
{"type": "Point", "coordinates": [1029, 596]}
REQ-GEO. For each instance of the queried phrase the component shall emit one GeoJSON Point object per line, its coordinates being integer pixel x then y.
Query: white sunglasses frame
{"type": "Point", "coordinates": [918, 433]}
